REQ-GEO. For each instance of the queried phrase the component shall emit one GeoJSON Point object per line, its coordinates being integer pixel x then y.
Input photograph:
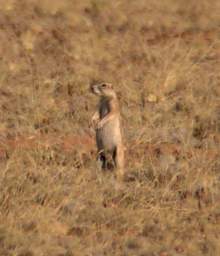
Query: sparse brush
{"type": "Point", "coordinates": [163, 58]}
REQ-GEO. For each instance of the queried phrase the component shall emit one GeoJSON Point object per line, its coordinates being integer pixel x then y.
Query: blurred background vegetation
{"type": "Point", "coordinates": [163, 59]}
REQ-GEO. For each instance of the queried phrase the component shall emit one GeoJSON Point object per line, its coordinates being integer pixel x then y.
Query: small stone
{"type": "Point", "coordinates": [152, 98]}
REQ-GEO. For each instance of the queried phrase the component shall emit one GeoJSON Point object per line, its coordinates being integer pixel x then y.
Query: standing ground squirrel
{"type": "Point", "coordinates": [106, 121]}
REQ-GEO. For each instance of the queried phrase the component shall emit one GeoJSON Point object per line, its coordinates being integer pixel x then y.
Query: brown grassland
{"type": "Point", "coordinates": [164, 59]}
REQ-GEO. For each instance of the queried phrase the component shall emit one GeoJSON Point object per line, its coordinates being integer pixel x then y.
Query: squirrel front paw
{"type": "Point", "coordinates": [99, 125]}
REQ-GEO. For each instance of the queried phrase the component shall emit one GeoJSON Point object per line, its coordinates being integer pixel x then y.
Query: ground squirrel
{"type": "Point", "coordinates": [106, 121]}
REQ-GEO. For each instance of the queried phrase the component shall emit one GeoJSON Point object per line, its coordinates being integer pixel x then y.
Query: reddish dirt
{"type": "Point", "coordinates": [187, 36]}
{"type": "Point", "coordinates": [85, 144]}
{"type": "Point", "coordinates": [68, 143]}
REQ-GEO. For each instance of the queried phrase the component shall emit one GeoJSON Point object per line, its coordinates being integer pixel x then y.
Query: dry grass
{"type": "Point", "coordinates": [163, 57]}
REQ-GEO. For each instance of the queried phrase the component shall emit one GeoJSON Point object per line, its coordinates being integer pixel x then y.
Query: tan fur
{"type": "Point", "coordinates": [106, 121]}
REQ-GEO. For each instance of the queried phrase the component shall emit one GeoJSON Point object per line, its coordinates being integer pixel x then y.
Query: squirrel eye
{"type": "Point", "coordinates": [103, 85]}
